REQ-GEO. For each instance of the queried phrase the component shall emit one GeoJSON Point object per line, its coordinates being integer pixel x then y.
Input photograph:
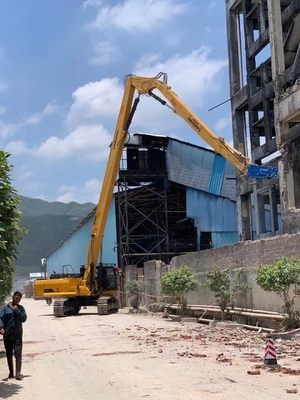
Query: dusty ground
{"type": "Point", "coordinates": [126, 356]}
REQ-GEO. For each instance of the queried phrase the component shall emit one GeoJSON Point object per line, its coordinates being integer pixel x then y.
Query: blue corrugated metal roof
{"type": "Point", "coordinates": [217, 175]}
{"type": "Point", "coordinates": [192, 166]}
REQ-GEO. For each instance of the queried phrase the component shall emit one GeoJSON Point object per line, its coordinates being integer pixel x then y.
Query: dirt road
{"type": "Point", "coordinates": [126, 356]}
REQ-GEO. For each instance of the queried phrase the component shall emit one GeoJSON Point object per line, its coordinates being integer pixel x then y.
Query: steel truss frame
{"type": "Point", "coordinates": [149, 208]}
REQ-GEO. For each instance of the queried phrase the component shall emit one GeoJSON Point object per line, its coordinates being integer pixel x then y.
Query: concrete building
{"type": "Point", "coordinates": [264, 51]}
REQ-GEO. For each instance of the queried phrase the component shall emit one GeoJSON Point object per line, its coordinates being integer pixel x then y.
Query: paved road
{"type": "Point", "coordinates": [125, 356]}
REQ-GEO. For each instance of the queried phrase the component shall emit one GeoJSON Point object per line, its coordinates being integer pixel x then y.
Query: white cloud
{"type": "Point", "coordinates": [3, 86]}
{"type": "Point", "coordinates": [193, 76]}
{"type": "Point", "coordinates": [91, 141]}
{"type": "Point", "coordinates": [212, 6]}
{"type": "Point", "coordinates": [223, 123]}
{"type": "Point", "coordinates": [42, 197]}
{"type": "Point", "coordinates": [7, 129]}
{"type": "Point", "coordinates": [89, 192]}
{"type": "Point", "coordinates": [173, 39]}
{"type": "Point", "coordinates": [92, 3]}
{"type": "Point", "coordinates": [3, 110]}
{"type": "Point", "coordinates": [66, 197]}
{"type": "Point", "coordinates": [23, 173]}
{"type": "Point", "coordinates": [66, 188]}
{"type": "Point", "coordinates": [105, 53]}
{"type": "Point", "coordinates": [135, 16]}
{"type": "Point", "coordinates": [95, 101]}
{"type": "Point", "coordinates": [17, 147]}
{"type": "Point", "coordinates": [36, 118]}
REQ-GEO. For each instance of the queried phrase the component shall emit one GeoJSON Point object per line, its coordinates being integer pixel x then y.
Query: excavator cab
{"type": "Point", "coordinates": [106, 276]}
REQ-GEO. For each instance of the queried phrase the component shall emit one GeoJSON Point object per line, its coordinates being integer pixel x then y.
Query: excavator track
{"type": "Point", "coordinates": [65, 308]}
{"type": "Point", "coordinates": [107, 305]}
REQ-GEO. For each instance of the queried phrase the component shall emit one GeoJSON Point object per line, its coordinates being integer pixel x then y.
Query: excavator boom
{"type": "Point", "coordinates": [146, 86]}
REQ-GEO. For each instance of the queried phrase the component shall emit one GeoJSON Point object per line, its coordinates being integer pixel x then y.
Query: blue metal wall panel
{"type": "Point", "coordinates": [212, 213]}
{"type": "Point", "coordinates": [74, 250]}
{"type": "Point", "coordinates": [217, 175]}
{"type": "Point", "coordinates": [220, 239]}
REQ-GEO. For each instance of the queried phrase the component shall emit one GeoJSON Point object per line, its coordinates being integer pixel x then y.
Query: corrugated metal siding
{"type": "Point", "coordinates": [213, 213]}
{"type": "Point", "coordinates": [189, 165]}
{"type": "Point", "coordinates": [74, 250]}
{"type": "Point", "coordinates": [217, 175]}
{"type": "Point", "coordinates": [220, 239]}
{"type": "Point", "coordinates": [192, 166]}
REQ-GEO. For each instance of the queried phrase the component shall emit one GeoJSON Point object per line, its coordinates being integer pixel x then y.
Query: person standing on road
{"type": "Point", "coordinates": [12, 315]}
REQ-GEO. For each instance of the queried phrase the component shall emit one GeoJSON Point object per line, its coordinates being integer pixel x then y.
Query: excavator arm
{"type": "Point", "coordinates": [145, 86]}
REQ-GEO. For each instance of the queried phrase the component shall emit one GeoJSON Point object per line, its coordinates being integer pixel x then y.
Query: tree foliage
{"type": "Point", "coordinates": [224, 288]}
{"type": "Point", "coordinates": [10, 231]}
{"type": "Point", "coordinates": [135, 288]}
{"type": "Point", "coordinates": [178, 283]}
{"type": "Point", "coordinates": [282, 278]}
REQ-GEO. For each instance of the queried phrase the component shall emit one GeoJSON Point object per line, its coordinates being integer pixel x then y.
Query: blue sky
{"type": "Point", "coordinates": [62, 64]}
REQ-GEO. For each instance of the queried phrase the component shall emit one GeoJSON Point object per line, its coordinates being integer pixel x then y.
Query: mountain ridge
{"type": "Point", "coordinates": [48, 223]}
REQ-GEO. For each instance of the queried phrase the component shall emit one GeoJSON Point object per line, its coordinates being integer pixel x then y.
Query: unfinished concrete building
{"type": "Point", "coordinates": [264, 68]}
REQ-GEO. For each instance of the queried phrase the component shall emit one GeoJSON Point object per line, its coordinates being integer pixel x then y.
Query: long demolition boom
{"type": "Point", "coordinates": [146, 86]}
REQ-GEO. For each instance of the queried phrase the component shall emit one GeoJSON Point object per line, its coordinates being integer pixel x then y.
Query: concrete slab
{"type": "Point", "coordinates": [289, 107]}
{"type": "Point", "coordinates": [232, 4]}
{"type": "Point", "coordinates": [189, 319]}
{"type": "Point", "coordinates": [139, 311]}
{"type": "Point", "coordinates": [228, 325]}
{"type": "Point", "coordinates": [176, 318]}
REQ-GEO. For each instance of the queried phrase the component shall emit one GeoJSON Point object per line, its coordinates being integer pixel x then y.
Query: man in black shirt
{"type": "Point", "coordinates": [12, 315]}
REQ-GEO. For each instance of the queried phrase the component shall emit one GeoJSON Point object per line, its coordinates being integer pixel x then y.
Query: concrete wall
{"type": "Point", "coordinates": [74, 250]}
{"type": "Point", "coordinates": [244, 254]}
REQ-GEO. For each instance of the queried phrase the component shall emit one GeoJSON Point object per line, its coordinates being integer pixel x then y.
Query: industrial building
{"type": "Point", "coordinates": [171, 198]}
{"type": "Point", "coordinates": [264, 51]}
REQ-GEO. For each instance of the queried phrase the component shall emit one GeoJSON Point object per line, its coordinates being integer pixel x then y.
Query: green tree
{"type": "Point", "coordinates": [10, 231]}
{"type": "Point", "coordinates": [224, 288]}
{"type": "Point", "coordinates": [282, 278]}
{"type": "Point", "coordinates": [178, 283]}
{"type": "Point", "coordinates": [135, 288]}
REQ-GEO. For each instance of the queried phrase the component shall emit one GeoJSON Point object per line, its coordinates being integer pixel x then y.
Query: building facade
{"type": "Point", "coordinates": [263, 52]}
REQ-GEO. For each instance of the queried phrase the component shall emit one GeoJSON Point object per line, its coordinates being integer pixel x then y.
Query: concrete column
{"type": "Point", "coordinates": [273, 210]}
{"type": "Point", "coordinates": [259, 207]}
{"type": "Point", "coordinates": [244, 218]}
{"type": "Point", "coordinates": [286, 174]}
{"type": "Point", "coordinates": [261, 16]}
{"type": "Point", "coordinates": [238, 116]}
{"type": "Point", "coordinates": [276, 43]}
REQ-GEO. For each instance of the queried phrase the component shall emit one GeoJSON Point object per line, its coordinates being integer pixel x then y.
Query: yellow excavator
{"type": "Point", "coordinates": [96, 284]}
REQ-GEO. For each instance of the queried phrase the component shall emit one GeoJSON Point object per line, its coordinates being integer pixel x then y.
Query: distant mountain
{"type": "Point", "coordinates": [47, 224]}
